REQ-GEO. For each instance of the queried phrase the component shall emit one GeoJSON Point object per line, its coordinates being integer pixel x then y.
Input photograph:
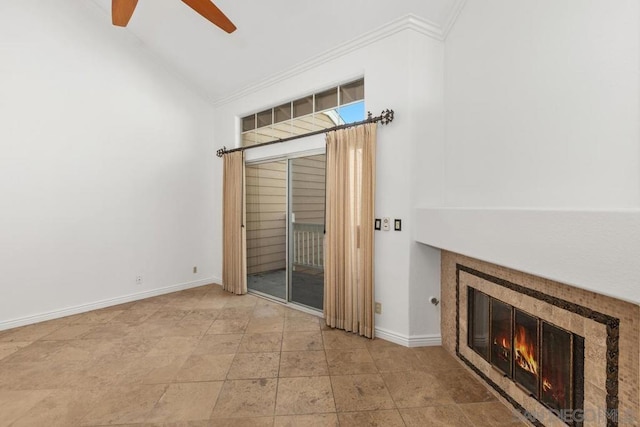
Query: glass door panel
{"type": "Point", "coordinates": [266, 210]}
{"type": "Point", "coordinates": [306, 230]}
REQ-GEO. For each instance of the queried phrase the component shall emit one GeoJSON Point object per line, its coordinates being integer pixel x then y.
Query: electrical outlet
{"type": "Point", "coordinates": [378, 308]}
{"type": "Point", "coordinates": [195, 269]}
{"type": "Point", "coordinates": [138, 280]}
{"type": "Point", "coordinates": [386, 223]}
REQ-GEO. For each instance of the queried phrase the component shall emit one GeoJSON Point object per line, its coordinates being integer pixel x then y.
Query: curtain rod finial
{"type": "Point", "coordinates": [386, 117]}
{"type": "Point", "coordinates": [221, 152]}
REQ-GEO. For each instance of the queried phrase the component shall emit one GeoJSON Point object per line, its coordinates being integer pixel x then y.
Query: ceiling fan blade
{"type": "Point", "coordinates": [209, 11]}
{"type": "Point", "coordinates": [121, 11]}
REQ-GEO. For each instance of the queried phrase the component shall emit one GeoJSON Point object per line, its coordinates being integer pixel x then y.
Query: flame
{"type": "Point", "coordinates": [546, 385]}
{"type": "Point", "coordinates": [525, 351]}
{"type": "Point", "coordinates": [505, 344]}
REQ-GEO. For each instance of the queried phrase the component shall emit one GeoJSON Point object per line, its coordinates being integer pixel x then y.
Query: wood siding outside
{"type": "Point", "coordinates": [266, 192]}
{"type": "Point", "coordinates": [266, 195]}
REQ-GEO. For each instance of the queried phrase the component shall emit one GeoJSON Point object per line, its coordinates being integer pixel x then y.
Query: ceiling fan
{"type": "Point", "coordinates": [121, 11]}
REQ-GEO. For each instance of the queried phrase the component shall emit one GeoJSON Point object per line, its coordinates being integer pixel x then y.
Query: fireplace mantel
{"type": "Point", "coordinates": [595, 250]}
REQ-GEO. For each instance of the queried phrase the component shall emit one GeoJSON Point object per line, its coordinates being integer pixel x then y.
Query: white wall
{"type": "Point", "coordinates": [542, 111]}
{"type": "Point", "coordinates": [106, 166]}
{"type": "Point", "coordinates": [392, 66]}
{"type": "Point", "coordinates": [542, 105]}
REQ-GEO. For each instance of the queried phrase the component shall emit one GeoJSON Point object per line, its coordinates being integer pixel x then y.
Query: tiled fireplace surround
{"type": "Point", "coordinates": [611, 329]}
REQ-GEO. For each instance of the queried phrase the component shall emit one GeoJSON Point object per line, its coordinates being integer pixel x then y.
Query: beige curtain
{"type": "Point", "coordinates": [348, 276]}
{"type": "Point", "coordinates": [234, 251]}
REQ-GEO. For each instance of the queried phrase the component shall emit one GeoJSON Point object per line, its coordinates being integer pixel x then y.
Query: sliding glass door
{"type": "Point", "coordinates": [306, 230]}
{"type": "Point", "coordinates": [285, 229]}
{"type": "Point", "coordinates": [266, 209]}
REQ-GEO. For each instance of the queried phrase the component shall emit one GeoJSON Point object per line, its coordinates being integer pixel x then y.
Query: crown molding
{"type": "Point", "coordinates": [407, 22]}
{"type": "Point", "coordinates": [455, 11]}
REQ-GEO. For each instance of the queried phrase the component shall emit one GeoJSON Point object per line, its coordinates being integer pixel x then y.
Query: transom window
{"type": "Point", "coordinates": [342, 104]}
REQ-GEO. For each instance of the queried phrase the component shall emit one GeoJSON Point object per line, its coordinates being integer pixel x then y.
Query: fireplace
{"type": "Point", "coordinates": [542, 359]}
{"type": "Point", "coordinates": [594, 338]}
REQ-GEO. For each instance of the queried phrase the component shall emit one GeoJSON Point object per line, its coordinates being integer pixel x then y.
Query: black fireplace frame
{"type": "Point", "coordinates": [612, 341]}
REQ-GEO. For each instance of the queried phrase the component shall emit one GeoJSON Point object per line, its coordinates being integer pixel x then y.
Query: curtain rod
{"type": "Point", "coordinates": [384, 118]}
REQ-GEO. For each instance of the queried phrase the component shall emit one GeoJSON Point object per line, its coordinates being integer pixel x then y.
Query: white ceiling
{"type": "Point", "coordinates": [272, 35]}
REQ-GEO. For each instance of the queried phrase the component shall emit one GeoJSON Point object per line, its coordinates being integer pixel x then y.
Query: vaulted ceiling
{"type": "Point", "coordinates": [272, 35]}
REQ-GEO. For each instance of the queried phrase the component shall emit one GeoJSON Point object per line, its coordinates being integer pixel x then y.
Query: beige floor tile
{"type": "Point", "coordinates": [189, 329]}
{"type": "Point", "coordinates": [213, 302]}
{"type": "Point", "coordinates": [386, 418]}
{"type": "Point", "coordinates": [8, 348]}
{"type": "Point", "coordinates": [242, 301]}
{"type": "Point", "coordinates": [228, 326]}
{"type": "Point", "coordinates": [97, 316]}
{"type": "Point", "coordinates": [237, 313]}
{"type": "Point", "coordinates": [37, 351]}
{"type": "Point", "coordinates": [261, 342]}
{"type": "Point", "coordinates": [352, 361]}
{"type": "Point", "coordinates": [70, 332]}
{"type": "Point", "coordinates": [61, 408]}
{"type": "Point", "coordinates": [160, 369]}
{"type": "Point", "coordinates": [145, 370]}
{"type": "Point", "coordinates": [14, 404]}
{"type": "Point", "coordinates": [111, 330]}
{"type": "Point", "coordinates": [173, 346]}
{"type": "Point", "coordinates": [302, 340]}
{"type": "Point", "coordinates": [415, 388]}
{"type": "Point", "coordinates": [304, 395]}
{"type": "Point", "coordinates": [205, 367]}
{"type": "Point", "coordinates": [168, 315]}
{"type": "Point", "coordinates": [463, 387]}
{"type": "Point", "coordinates": [149, 329]}
{"type": "Point", "coordinates": [437, 416]}
{"type": "Point", "coordinates": [390, 359]}
{"type": "Point", "coordinates": [271, 324]}
{"type": "Point", "coordinates": [107, 373]}
{"type": "Point", "coordinates": [490, 414]}
{"type": "Point", "coordinates": [254, 365]}
{"type": "Point", "coordinates": [186, 401]}
{"type": "Point", "coordinates": [313, 420]}
{"type": "Point", "coordinates": [83, 349]}
{"type": "Point", "coordinates": [136, 316]}
{"type": "Point", "coordinates": [218, 344]}
{"type": "Point", "coordinates": [126, 404]}
{"type": "Point", "coordinates": [268, 310]}
{"type": "Point", "coordinates": [303, 364]}
{"type": "Point", "coordinates": [113, 366]}
{"type": "Point", "coordinates": [246, 398]}
{"type": "Point", "coordinates": [366, 392]}
{"type": "Point", "coordinates": [336, 339]}
{"type": "Point", "coordinates": [201, 315]}
{"type": "Point", "coordinates": [302, 323]}
{"type": "Point", "coordinates": [377, 343]}
{"type": "Point", "coordinates": [436, 359]}
{"type": "Point", "coordinates": [29, 333]}
{"type": "Point", "coordinates": [132, 347]}
{"type": "Point", "coordinates": [39, 375]}
{"type": "Point", "coordinates": [241, 422]}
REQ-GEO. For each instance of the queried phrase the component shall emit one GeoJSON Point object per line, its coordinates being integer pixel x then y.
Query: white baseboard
{"type": "Point", "coordinates": [56, 314]}
{"type": "Point", "coordinates": [409, 341]}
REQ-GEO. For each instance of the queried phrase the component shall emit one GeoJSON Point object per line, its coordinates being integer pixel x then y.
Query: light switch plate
{"type": "Point", "coordinates": [397, 224]}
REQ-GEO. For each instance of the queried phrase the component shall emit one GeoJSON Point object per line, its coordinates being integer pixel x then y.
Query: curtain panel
{"type": "Point", "coordinates": [234, 251]}
{"type": "Point", "coordinates": [349, 244]}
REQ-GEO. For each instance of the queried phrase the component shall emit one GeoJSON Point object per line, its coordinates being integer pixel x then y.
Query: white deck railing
{"type": "Point", "coordinates": [308, 245]}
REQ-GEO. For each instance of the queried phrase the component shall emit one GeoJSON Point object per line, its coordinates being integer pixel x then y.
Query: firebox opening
{"type": "Point", "coordinates": [541, 358]}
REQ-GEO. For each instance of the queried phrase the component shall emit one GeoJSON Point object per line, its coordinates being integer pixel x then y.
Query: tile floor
{"type": "Point", "coordinates": [203, 357]}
